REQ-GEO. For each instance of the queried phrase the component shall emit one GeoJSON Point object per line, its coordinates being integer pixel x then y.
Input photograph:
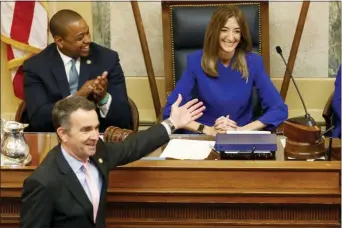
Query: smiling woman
{"type": "Point", "coordinates": [224, 75]}
{"type": "Point", "coordinates": [228, 25]}
{"type": "Point", "coordinates": [230, 37]}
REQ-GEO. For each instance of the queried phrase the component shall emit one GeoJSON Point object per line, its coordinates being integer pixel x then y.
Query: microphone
{"type": "Point", "coordinates": [306, 120]}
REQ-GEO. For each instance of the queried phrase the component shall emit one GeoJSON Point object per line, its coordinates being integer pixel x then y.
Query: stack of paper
{"type": "Point", "coordinates": [188, 149]}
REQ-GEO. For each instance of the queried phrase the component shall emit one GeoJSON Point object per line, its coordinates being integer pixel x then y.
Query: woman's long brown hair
{"type": "Point", "coordinates": [211, 45]}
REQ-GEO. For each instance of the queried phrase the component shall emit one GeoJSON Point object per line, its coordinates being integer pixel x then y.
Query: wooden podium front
{"type": "Point", "coordinates": [171, 193]}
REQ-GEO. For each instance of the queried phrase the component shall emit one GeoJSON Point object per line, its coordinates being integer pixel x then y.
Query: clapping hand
{"type": "Point", "coordinates": [97, 87]}
{"type": "Point", "coordinates": [86, 89]}
{"type": "Point", "coordinates": [181, 116]}
{"type": "Point", "coordinates": [100, 87]}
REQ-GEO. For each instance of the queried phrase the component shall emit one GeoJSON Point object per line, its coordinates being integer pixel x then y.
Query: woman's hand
{"type": "Point", "coordinates": [223, 124]}
{"type": "Point", "coordinates": [210, 131]}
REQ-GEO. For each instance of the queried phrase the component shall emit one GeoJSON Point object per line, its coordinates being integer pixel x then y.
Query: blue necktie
{"type": "Point", "coordinates": [73, 77]}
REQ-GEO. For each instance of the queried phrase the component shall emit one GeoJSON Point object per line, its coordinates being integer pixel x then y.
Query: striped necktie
{"type": "Point", "coordinates": [73, 77]}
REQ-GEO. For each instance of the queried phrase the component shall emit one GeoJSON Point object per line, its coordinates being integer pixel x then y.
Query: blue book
{"type": "Point", "coordinates": [243, 142]}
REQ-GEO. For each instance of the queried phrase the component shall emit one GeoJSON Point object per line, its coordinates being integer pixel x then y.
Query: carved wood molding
{"type": "Point", "coordinates": [207, 194]}
{"type": "Point", "coordinates": [203, 215]}
{"type": "Point", "coordinates": [186, 211]}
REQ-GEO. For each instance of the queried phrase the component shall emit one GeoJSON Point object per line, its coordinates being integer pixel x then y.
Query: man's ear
{"type": "Point", "coordinates": [59, 41]}
{"type": "Point", "coordinates": [62, 134]}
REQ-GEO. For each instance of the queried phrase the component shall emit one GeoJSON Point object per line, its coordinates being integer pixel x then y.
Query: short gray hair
{"type": "Point", "coordinates": [64, 108]}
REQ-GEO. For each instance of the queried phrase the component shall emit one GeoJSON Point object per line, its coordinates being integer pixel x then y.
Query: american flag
{"type": "Point", "coordinates": [24, 29]}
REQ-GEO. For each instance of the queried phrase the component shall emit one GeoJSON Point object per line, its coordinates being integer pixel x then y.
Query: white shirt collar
{"type": "Point", "coordinates": [73, 162]}
{"type": "Point", "coordinates": [66, 59]}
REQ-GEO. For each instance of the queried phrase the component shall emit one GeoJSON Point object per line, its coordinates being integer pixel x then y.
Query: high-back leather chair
{"type": "Point", "coordinates": [184, 26]}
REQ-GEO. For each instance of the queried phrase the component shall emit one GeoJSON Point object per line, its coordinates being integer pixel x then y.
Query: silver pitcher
{"type": "Point", "coordinates": [3, 121]}
{"type": "Point", "coordinates": [14, 148]}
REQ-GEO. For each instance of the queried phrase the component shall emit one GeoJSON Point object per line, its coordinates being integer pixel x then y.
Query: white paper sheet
{"type": "Point", "coordinates": [283, 142]}
{"type": "Point", "coordinates": [188, 149]}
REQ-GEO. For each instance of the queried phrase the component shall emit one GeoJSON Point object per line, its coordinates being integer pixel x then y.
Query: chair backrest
{"type": "Point", "coordinates": [135, 115]}
{"type": "Point", "coordinates": [20, 115]}
{"type": "Point", "coordinates": [184, 26]}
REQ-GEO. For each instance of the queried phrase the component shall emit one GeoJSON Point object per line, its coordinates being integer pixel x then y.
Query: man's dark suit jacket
{"type": "Point", "coordinates": [45, 83]}
{"type": "Point", "coordinates": [53, 196]}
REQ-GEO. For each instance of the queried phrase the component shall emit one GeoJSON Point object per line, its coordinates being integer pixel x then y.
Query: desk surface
{"type": "Point", "coordinates": [41, 143]}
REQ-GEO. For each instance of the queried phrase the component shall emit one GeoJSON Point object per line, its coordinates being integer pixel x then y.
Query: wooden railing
{"type": "Point", "coordinates": [169, 193]}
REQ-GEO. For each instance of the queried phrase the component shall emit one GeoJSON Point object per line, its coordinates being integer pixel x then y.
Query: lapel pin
{"type": "Point", "coordinates": [88, 62]}
{"type": "Point", "coordinates": [100, 160]}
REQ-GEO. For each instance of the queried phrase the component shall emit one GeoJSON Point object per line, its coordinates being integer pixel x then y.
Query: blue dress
{"type": "Point", "coordinates": [336, 106]}
{"type": "Point", "coordinates": [229, 93]}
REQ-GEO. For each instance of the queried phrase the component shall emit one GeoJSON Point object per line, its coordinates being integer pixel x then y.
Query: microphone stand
{"type": "Point", "coordinates": [305, 120]}
{"type": "Point", "coordinates": [329, 151]}
{"type": "Point", "coordinates": [304, 137]}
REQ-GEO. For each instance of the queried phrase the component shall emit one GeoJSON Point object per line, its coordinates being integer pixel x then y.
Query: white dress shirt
{"type": "Point", "coordinates": [167, 127]}
{"type": "Point", "coordinates": [67, 65]}
{"type": "Point", "coordinates": [76, 166]}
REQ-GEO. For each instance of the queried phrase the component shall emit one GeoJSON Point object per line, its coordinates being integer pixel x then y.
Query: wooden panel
{"type": "Point", "coordinates": [39, 145]}
{"type": "Point", "coordinates": [170, 193]}
{"type": "Point", "coordinates": [203, 215]}
{"type": "Point", "coordinates": [220, 214]}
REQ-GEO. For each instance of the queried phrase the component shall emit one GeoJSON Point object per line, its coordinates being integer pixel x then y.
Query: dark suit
{"type": "Point", "coordinates": [45, 83]}
{"type": "Point", "coordinates": [53, 196]}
